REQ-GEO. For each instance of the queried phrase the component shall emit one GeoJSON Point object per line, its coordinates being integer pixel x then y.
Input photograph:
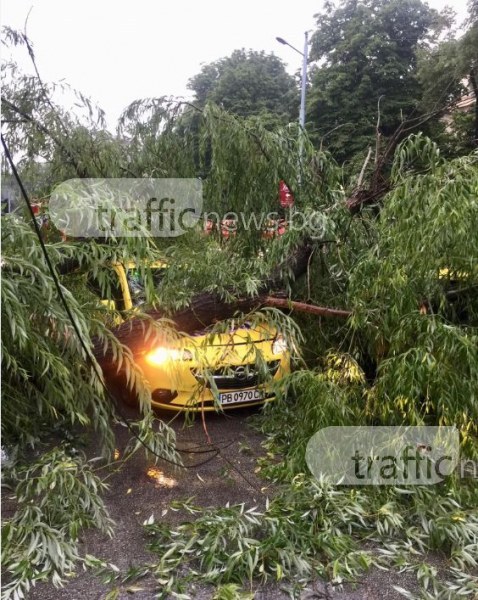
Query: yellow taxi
{"type": "Point", "coordinates": [208, 371]}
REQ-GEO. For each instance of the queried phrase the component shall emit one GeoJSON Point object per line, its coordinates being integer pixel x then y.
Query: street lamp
{"type": "Point", "coordinates": [302, 93]}
{"type": "Point", "coordinates": [304, 73]}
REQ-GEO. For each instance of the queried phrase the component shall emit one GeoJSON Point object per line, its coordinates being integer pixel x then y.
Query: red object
{"type": "Point", "coordinates": [274, 228]}
{"type": "Point", "coordinates": [286, 197]}
{"type": "Point", "coordinates": [228, 228]}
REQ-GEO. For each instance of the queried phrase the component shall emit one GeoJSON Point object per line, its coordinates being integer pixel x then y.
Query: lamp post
{"type": "Point", "coordinates": [304, 73]}
{"type": "Point", "coordinates": [302, 89]}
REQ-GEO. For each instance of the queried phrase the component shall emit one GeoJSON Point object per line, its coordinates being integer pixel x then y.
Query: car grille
{"type": "Point", "coordinates": [237, 376]}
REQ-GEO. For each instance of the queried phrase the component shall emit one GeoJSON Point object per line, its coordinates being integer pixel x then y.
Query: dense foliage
{"type": "Point", "coordinates": [248, 84]}
{"type": "Point", "coordinates": [367, 55]}
{"type": "Point", "coordinates": [412, 284]}
{"type": "Point", "coordinates": [406, 267]}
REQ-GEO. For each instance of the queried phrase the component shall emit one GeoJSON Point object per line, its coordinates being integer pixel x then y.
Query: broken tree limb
{"type": "Point", "coordinates": [313, 309]}
{"type": "Point", "coordinates": [380, 183]}
{"type": "Point", "coordinates": [365, 197]}
{"type": "Point", "coordinates": [364, 166]}
{"type": "Point", "coordinates": [204, 309]}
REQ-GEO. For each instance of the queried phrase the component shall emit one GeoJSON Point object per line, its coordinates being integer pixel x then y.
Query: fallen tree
{"type": "Point", "coordinates": [207, 308]}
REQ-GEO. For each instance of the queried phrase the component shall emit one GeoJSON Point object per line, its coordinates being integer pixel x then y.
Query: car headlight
{"type": "Point", "coordinates": [279, 345]}
{"type": "Point", "coordinates": [161, 355]}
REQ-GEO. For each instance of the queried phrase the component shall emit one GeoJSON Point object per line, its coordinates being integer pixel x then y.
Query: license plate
{"type": "Point", "coordinates": [240, 396]}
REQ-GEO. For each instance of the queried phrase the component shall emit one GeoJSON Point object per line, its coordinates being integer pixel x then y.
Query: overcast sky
{"type": "Point", "coordinates": [116, 51]}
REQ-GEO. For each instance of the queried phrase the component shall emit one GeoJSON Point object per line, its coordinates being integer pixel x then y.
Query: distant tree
{"type": "Point", "coordinates": [449, 72]}
{"type": "Point", "coordinates": [470, 51]}
{"type": "Point", "coordinates": [473, 10]}
{"type": "Point", "coordinates": [248, 83]}
{"type": "Point", "coordinates": [367, 53]}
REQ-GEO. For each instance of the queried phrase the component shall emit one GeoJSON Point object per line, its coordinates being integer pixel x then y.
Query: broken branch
{"type": "Point", "coordinates": [322, 311]}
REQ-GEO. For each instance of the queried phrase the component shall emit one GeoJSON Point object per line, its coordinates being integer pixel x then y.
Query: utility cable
{"type": "Point", "coordinates": [79, 335]}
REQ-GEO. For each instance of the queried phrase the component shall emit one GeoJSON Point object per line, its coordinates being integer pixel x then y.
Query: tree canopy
{"type": "Point", "coordinates": [366, 76]}
{"type": "Point", "coordinates": [248, 83]}
{"type": "Point", "coordinates": [448, 72]}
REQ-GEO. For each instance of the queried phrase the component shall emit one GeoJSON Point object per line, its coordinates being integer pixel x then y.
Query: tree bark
{"type": "Point", "coordinates": [313, 309]}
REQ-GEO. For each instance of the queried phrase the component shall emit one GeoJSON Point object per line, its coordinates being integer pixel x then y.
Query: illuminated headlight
{"type": "Point", "coordinates": [279, 345]}
{"type": "Point", "coordinates": [162, 355]}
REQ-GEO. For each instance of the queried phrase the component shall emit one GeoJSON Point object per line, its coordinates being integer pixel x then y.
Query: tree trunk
{"type": "Point", "coordinates": [204, 309]}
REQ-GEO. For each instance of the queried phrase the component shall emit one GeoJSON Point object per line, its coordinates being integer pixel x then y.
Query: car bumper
{"type": "Point", "coordinates": [197, 398]}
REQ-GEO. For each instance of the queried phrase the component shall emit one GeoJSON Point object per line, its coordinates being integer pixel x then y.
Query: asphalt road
{"type": "Point", "coordinates": [140, 490]}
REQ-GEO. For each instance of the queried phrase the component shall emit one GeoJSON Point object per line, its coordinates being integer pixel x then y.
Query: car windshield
{"type": "Point", "coordinates": [137, 285]}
